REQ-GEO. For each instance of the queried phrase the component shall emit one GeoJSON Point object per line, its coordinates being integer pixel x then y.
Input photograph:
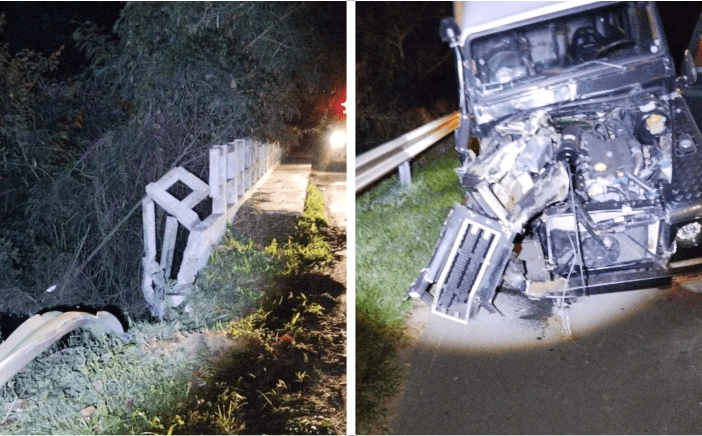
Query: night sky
{"type": "Point", "coordinates": [380, 25]}
{"type": "Point", "coordinates": [46, 26]}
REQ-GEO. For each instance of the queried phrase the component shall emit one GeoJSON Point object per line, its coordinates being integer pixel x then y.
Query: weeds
{"type": "Point", "coordinates": [88, 384]}
{"type": "Point", "coordinates": [307, 248]}
{"type": "Point", "coordinates": [270, 397]}
{"type": "Point", "coordinates": [396, 229]}
{"type": "Point", "coordinates": [233, 281]}
{"type": "Point", "coordinates": [227, 418]}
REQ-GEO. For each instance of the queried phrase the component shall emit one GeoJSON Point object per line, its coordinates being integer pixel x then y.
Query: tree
{"type": "Point", "coordinates": [21, 125]}
{"type": "Point", "coordinates": [169, 81]}
{"type": "Point", "coordinates": [34, 143]}
{"type": "Point", "coordinates": [204, 72]}
{"type": "Point", "coordinates": [401, 65]}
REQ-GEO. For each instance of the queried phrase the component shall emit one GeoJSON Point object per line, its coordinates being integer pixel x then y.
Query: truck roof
{"type": "Point", "coordinates": [478, 16]}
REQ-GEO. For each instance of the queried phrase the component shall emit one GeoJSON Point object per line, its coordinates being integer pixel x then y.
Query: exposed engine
{"type": "Point", "coordinates": [582, 185]}
{"type": "Point", "coordinates": [616, 157]}
{"type": "Point", "coordinates": [621, 154]}
{"type": "Point", "coordinates": [588, 177]}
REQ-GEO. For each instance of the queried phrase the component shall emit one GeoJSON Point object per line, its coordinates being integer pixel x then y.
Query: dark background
{"type": "Point", "coordinates": [679, 19]}
{"type": "Point", "coordinates": [46, 26]}
{"type": "Point", "coordinates": [405, 74]}
{"type": "Point", "coordinates": [88, 131]}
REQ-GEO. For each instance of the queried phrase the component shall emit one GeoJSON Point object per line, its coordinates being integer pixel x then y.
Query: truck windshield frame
{"type": "Point", "coordinates": [613, 34]}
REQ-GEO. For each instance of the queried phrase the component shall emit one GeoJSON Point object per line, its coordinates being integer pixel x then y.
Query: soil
{"type": "Point", "coordinates": [263, 227]}
{"type": "Point", "coordinates": [327, 364]}
{"type": "Point", "coordinates": [206, 343]}
{"type": "Point", "coordinates": [329, 394]}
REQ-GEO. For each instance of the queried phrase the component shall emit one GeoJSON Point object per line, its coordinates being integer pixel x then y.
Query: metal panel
{"type": "Point", "coordinates": [385, 158]}
{"type": "Point", "coordinates": [473, 267]}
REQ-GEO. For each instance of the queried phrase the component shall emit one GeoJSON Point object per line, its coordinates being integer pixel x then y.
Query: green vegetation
{"type": "Point", "coordinates": [282, 348]}
{"type": "Point", "coordinates": [396, 230]}
{"type": "Point", "coordinates": [87, 384]}
{"type": "Point", "coordinates": [231, 282]}
{"type": "Point", "coordinates": [168, 81]}
{"type": "Point", "coordinates": [308, 248]}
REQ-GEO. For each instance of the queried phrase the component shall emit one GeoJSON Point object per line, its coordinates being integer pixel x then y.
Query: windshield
{"type": "Point", "coordinates": [606, 35]}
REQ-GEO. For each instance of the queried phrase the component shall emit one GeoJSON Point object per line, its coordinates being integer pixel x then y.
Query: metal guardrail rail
{"type": "Point", "coordinates": [376, 163]}
{"type": "Point", "coordinates": [37, 334]}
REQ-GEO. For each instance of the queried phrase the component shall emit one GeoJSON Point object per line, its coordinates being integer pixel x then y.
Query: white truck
{"type": "Point", "coordinates": [588, 174]}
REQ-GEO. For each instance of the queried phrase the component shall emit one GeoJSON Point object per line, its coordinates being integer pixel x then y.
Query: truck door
{"type": "Point", "coordinates": [691, 80]}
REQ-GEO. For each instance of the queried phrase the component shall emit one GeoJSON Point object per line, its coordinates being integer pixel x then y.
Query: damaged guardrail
{"type": "Point", "coordinates": [40, 331]}
{"type": "Point", "coordinates": [236, 171]}
{"type": "Point", "coordinates": [376, 163]}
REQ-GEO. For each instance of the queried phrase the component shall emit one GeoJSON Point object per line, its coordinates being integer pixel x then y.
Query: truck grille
{"type": "Point", "coordinates": [473, 267]}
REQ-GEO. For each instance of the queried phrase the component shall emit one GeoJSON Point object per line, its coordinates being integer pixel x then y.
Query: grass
{"type": "Point", "coordinates": [87, 384]}
{"type": "Point", "coordinates": [230, 284]}
{"type": "Point", "coordinates": [396, 230]}
{"type": "Point", "coordinates": [308, 248]}
{"type": "Point", "coordinates": [285, 347]}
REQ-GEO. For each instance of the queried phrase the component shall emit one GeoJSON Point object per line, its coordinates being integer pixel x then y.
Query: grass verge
{"type": "Point", "coordinates": [261, 350]}
{"type": "Point", "coordinates": [396, 230]}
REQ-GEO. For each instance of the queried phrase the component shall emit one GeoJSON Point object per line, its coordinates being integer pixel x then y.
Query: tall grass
{"type": "Point", "coordinates": [396, 230]}
{"type": "Point", "coordinates": [164, 381]}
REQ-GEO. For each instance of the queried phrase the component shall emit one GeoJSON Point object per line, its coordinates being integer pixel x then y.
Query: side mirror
{"type": "Point", "coordinates": [689, 71]}
{"type": "Point", "coordinates": [449, 30]}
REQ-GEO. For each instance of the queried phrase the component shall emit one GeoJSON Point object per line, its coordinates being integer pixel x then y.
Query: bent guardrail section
{"type": "Point", "coordinates": [376, 163]}
{"type": "Point", "coordinates": [39, 332]}
{"type": "Point", "coordinates": [236, 171]}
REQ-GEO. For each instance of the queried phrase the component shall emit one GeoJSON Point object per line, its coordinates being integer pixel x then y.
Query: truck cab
{"type": "Point", "coordinates": [587, 177]}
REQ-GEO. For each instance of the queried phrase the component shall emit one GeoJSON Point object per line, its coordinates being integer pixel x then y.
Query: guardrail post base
{"type": "Point", "coordinates": [405, 176]}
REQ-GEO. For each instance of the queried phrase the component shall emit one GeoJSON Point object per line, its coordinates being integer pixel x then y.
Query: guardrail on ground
{"type": "Point", "coordinates": [376, 163]}
{"type": "Point", "coordinates": [236, 172]}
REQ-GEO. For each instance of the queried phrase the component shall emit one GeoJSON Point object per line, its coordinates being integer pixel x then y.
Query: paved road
{"type": "Point", "coordinates": [630, 363]}
{"type": "Point", "coordinates": [285, 189]}
{"type": "Point", "coordinates": [333, 187]}
{"type": "Point", "coordinates": [328, 176]}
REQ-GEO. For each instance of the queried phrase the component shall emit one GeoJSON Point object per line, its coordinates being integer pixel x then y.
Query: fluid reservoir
{"type": "Point", "coordinates": [570, 143]}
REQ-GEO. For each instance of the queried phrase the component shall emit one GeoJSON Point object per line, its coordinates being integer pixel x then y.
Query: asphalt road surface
{"type": "Point", "coordinates": [333, 187]}
{"type": "Point", "coordinates": [327, 175]}
{"type": "Point", "coordinates": [617, 363]}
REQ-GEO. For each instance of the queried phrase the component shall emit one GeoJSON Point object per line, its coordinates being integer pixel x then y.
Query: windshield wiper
{"type": "Point", "coordinates": [603, 63]}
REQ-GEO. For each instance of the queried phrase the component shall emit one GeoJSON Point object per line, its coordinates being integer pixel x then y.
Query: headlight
{"type": "Point", "coordinates": [337, 139]}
